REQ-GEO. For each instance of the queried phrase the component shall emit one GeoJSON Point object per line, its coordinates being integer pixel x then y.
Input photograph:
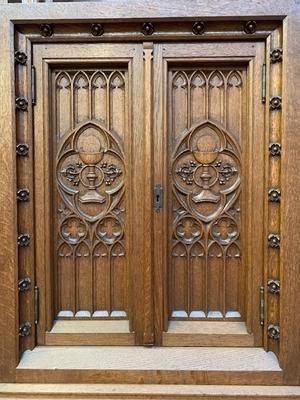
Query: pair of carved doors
{"type": "Point", "coordinates": [149, 180]}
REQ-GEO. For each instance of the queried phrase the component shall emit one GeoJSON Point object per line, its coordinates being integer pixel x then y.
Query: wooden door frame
{"type": "Point", "coordinates": [287, 11]}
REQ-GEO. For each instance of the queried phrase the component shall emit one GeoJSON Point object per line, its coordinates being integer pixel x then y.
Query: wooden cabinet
{"type": "Point", "coordinates": [152, 165]}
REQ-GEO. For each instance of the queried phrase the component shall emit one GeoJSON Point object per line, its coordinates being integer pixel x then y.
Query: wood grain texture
{"type": "Point", "coordinates": [273, 180]}
{"type": "Point", "coordinates": [95, 391]}
{"type": "Point", "coordinates": [158, 10]}
{"type": "Point", "coordinates": [91, 274]}
{"type": "Point", "coordinates": [150, 377]}
{"type": "Point", "coordinates": [290, 251]}
{"type": "Point", "coordinates": [25, 209]}
{"type": "Point", "coordinates": [289, 222]}
{"type": "Point", "coordinates": [184, 101]}
{"type": "Point", "coordinates": [8, 231]}
{"type": "Point", "coordinates": [203, 333]}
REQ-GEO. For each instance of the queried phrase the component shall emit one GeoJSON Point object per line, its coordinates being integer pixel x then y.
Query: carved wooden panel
{"type": "Point", "coordinates": [206, 268]}
{"type": "Point", "coordinates": [89, 206]}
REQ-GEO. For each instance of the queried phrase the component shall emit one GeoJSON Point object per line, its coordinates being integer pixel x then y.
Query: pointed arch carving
{"type": "Point", "coordinates": [206, 170]}
{"type": "Point", "coordinates": [90, 179]}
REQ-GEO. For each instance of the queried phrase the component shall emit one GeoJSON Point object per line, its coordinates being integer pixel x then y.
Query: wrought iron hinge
{"type": "Point", "coordinates": [36, 305]}
{"type": "Point", "coordinates": [33, 85]}
{"type": "Point", "coordinates": [158, 197]}
{"type": "Point", "coordinates": [262, 305]}
{"type": "Point", "coordinates": [263, 83]}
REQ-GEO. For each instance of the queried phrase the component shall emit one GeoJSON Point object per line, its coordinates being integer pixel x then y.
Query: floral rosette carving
{"type": "Point", "coordinates": [90, 171]}
{"type": "Point", "coordinates": [206, 171]}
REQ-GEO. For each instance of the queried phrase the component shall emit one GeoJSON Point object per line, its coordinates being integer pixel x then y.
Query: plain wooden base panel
{"type": "Point", "coordinates": [100, 391]}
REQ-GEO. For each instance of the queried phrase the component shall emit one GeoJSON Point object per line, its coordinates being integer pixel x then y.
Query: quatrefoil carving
{"type": "Point", "coordinates": [206, 171]}
{"type": "Point", "coordinates": [90, 171]}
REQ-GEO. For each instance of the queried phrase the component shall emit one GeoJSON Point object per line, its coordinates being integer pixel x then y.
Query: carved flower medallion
{"type": "Point", "coordinates": [73, 230]}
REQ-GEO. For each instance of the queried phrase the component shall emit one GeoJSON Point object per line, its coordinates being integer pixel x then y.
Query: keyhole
{"type": "Point", "coordinates": [157, 198]}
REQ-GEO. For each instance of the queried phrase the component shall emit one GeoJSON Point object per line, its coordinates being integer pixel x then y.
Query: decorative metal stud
{"type": "Point", "coordinates": [273, 331]}
{"type": "Point", "coordinates": [199, 28]}
{"type": "Point", "coordinates": [22, 149]}
{"type": "Point", "coordinates": [25, 329]}
{"type": "Point", "coordinates": [23, 240]}
{"type": "Point", "coordinates": [97, 29]}
{"type": "Point", "coordinates": [21, 103]}
{"type": "Point", "coordinates": [276, 55]}
{"type": "Point", "coordinates": [148, 28]}
{"type": "Point", "coordinates": [20, 57]}
{"type": "Point", "coordinates": [250, 27]}
{"type": "Point", "coordinates": [23, 194]}
{"type": "Point", "coordinates": [274, 195]}
{"type": "Point", "coordinates": [273, 286]}
{"type": "Point", "coordinates": [275, 103]}
{"type": "Point", "coordinates": [275, 149]}
{"type": "Point", "coordinates": [46, 30]}
{"type": "Point", "coordinates": [273, 241]}
{"type": "Point", "coordinates": [24, 284]}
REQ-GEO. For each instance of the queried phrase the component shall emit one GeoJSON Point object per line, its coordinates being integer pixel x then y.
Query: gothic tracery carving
{"type": "Point", "coordinates": [206, 184]}
{"type": "Point", "coordinates": [90, 179]}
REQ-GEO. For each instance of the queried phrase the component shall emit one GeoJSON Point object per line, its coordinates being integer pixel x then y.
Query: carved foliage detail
{"type": "Point", "coordinates": [206, 169]}
{"type": "Point", "coordinates": [90, 170]}
{"type": "Point", "coordinates": [91, 107]}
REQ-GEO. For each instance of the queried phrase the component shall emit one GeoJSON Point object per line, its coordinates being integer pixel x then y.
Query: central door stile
{"type": "Point", "coordinates": [159, 218]}
{"type": "Point", "coordinates": [148, 335]}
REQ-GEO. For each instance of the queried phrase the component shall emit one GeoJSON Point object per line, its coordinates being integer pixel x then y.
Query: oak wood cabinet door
{"type": "Point", "coordinates": [88, 130]}
{"type": "Point", "coordinates": [209, 237]}
{"type": "Point", "coordinates": [149, 188]}
{"type": "Point", "coordinates": [149, 176]}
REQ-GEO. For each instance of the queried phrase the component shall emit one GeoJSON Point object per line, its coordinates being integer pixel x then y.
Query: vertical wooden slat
{"type": "Point", "coordinates": [273, 181]}
{"type": "Point", "coordinates": [290, 222]}
{"type": "Point", "coordinates": [148, 278]}
{"type": "Point", "coordinates": [25, 180]}
{"type": "Point", "coordinates": [8, 232]}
